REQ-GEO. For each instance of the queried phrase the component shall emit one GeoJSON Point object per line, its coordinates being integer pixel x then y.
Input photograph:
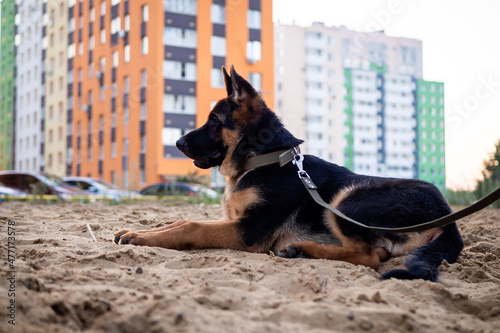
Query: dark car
{"type": "Point", "coordinates": [38, 183]}
{"type": "Point", "coordinates": [178, 189]}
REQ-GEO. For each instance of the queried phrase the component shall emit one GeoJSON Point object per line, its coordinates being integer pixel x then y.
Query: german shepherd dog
{"type": "Point", "coordinates": [267, 208]}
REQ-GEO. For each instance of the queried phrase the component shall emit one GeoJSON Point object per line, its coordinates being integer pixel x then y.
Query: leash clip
{"type": "Point", "coordinates": [298, 160]}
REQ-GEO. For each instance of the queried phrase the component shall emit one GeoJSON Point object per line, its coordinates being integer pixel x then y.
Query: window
{"type": "Point", "coordinates": [103, 36]}
{"type": "Point", "coordinates": [170, 135]}
{"type": "Point", "coordinates": [144, 45]}
{"type": "Point", "coordinates": [143, 144]}
{"type": "Point", "coordinates": [125, 147]}
{"type": "Point", "coordinates": [125, 115]}
{"type": "Point", "coordinates": [218, 14]}
{"type": "Point", "coordinates": [126, 53]}
{"type": "Point", "coordinates": [143, 177]}
{"type": "Point", "coordinates": [179, 104]}
{"type": "Point", "coordinates": [253, 19]}
{"type": "Point", "coordinates": [126, 84]}
{"type": "Point", "coordinates": [144, 78]}
{"type": "Point", "coordinates": [145, 13]}
{"type": "Point", "coordinates": [181, 6]}
{"type": "Point", "coordinates": [254, 51]}
{"type": "Point", "coordinates": [103, 8]}
{"type": "Point", "coordinates": [127, 23]}
{"type": "Point", "coordinates": [216, 78]}
{"type": "Point", "coordinates": [256, 81]}
{"type": "Point", "coordinates": [116, 59]}
{"type": "Point", "coordinates": [178, 70]}
{"type": "Point", "coordinates": [179, 37]}
{"type": "Point", "coordinates": [91, 70]}
{"type": "Point", "coordinates": [113, 149]}
{"type": "Point", "coordinates": [71, 51]}
{"type": "Point", "coordinates": [218, 46]}
{"type": "Point", "coordinates": [115, 25]}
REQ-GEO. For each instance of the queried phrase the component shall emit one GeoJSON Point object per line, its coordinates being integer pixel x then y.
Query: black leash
{"type": "Point", "coordinates": [283, 157]}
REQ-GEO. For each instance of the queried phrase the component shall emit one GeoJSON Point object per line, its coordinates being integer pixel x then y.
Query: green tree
{"type": "Point", "coordinates": [491, 175]}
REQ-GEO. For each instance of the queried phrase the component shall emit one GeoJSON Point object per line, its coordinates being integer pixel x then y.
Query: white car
{"type": "Point", "coordinates": [98, 187]}
{"type": "Point", "coordinates": [10, 192]}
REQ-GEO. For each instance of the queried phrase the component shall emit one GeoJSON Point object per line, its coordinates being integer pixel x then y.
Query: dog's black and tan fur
{"type": "Point", "coordinates": [267, 208]}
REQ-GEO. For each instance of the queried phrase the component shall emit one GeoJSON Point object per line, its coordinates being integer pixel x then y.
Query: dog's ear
{"type": "Point", "coordinates": [228, 82]}
{"type": "Point", "coordinates": [241, 88]}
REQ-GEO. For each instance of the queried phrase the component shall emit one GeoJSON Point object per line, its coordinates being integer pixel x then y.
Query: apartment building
{"type": "Point", "coordinates": [431, 130]}
{"type": "Point", "coordinates": [55, 79]}
{"type": "Point", "coordinates": [355, 98]}
{"type": "Point", "coordinates": [7, 83]}
{"type": "Point", "coordinates": [143, 73]}
{"type": "Point", "coordinates": [30, 90]}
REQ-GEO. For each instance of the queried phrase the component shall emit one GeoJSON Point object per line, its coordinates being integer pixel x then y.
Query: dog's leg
{"type": "Point", "coordinates": [188, 234]}
{"type": "Point", "coordinates": [117, 235]}
{"type": "Point", "coordinates": [357, 253]}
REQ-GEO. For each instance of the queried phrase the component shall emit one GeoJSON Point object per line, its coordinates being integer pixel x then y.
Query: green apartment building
{"type": "Point", "coordinates": [430, 125]}
{"type": "Point", "coordinates": [394, 125]}
{"type": "Point", "coordinates": [7, 83]}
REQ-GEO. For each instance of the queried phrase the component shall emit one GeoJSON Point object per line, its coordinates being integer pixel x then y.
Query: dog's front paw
{"type": "Point", "coordinates": [134, 238]}
{"type": "Point", "coordinates": [117, 235]}
{"type": "Point", "coordinates": [293, 251]}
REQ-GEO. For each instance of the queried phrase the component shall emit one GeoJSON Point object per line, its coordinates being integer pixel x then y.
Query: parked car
{"type": "Point", "coordinates": [96, 186]}
{"type": "Point", "coordinates": [8, 191]}
{"type": "Point", "coordinates": [178, 189]}
{"type": "Point", "coordinates": [38, 183]}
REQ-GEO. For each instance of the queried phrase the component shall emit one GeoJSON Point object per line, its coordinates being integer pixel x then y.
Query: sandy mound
{"type": "Point", "coordinates": [65, 282]}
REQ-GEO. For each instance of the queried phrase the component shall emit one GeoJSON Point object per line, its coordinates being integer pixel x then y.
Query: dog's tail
{"type": "Point", "coordinates": [423, 262]}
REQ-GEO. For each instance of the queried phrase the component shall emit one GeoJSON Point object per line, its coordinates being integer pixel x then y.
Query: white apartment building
{"type": "Point", "coordinates": [350, 95]}
{"type": "Point", "coordinates": [30, 97]}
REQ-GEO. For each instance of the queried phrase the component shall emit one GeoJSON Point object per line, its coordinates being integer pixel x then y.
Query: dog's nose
{"type": "Point", "coordinates": [181, 143]}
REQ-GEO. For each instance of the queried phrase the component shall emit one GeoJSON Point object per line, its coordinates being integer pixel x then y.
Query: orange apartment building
{"type": "Point", "coordinates": [141, 73]}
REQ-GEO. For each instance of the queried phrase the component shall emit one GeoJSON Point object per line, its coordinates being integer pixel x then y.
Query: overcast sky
{"type": "Point", "coordinates": [461, 47]}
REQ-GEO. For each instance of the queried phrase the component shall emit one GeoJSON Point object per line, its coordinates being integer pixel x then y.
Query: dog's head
{"type": "Point", "coordinates": [238, 126]}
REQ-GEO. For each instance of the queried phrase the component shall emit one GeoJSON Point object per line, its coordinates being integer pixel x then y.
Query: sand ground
{"type": "Point", "coordinates": [65, 282]}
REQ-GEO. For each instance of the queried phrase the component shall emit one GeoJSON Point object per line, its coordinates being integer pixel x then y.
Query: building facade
{"type": "Point", "coordinates": [55, 79]}
{"type": "Point", "coordinates": [354, 98]}
{"type": "Point", "coordinates": [141, 74]}
{"type": "Point", "coordinates": [431, 131]}
{"type": "Point", "coordinates": [7, 83]}
{"type": "Point", "coordinates": [30, 88]}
